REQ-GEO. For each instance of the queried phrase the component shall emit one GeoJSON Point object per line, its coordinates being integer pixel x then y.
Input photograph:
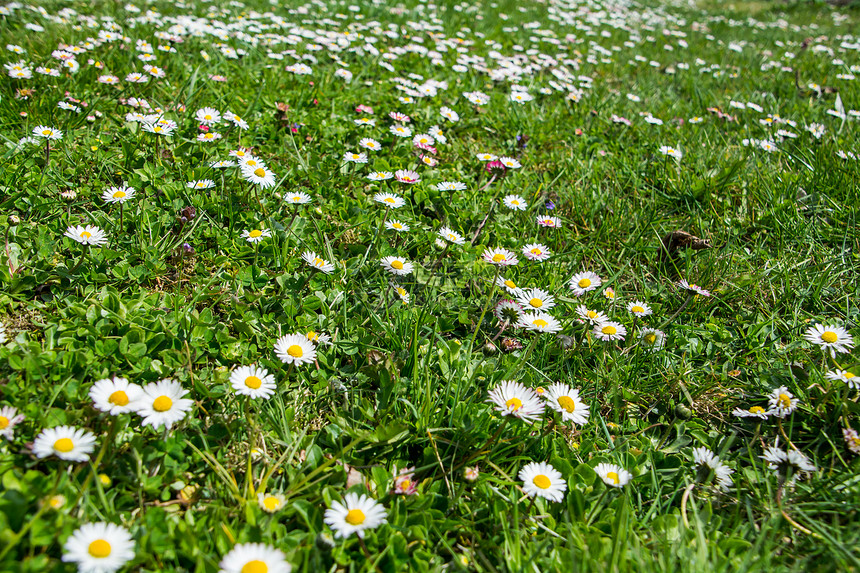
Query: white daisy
{"type": "Point", "coordinates": [256, 235]}
{"type": "Point", "coordinates": [261, 176]}
{"type": "Point", "coordinates": [752, 412]}
{"type": "Point", "coordinates": [513, 399]}
{"type": "Point", "coordinates": [589, 316]}
{"type": "Point", "coordinates": [582, 283]}
{"type": "Point", "coordinates": [609, 331]}
{"type": "Point", "coordinates": [396, 265]}
{"type": "Point", "coordinates": [395, 225]}
{"type": "Point", "coordinates": [297, 197]}
{"type": "Point", "coordinates": [89, 235]}
{"type": "Point", "coordinates": [451, 236]}
{"type": "Point", "coordinates": [564, 399]}
{"type": "Point", "coordinates": [782, 402]}
{"type": "Point", "coordinates": [543, 480]}
{"type": "Point", "coordinates": [613, 475]}
{"type": "Point", "coordinates": [253, 381]}
{"type": "Point", "coordinates": [536, 252]}
{"type": "Point", "coordinates": [9, 418]}
{"type": "Point", "coordinates": [46, 132]}
{"type": "Point", "coordinates": [316, 262]}
{"type": "Point", "coordinates": [295, 349]}
{"type": "Point", "coordinates": [832, 338]}
{"type": "Point", "coordinates": [639, 308]}
{"type": "Point", "coordinates": [99, 548]}
{"type": "Point", "coordinates": [508, 285]}
{"type": "Point", "coordinates": [354, 515]}
{"type": "Point", "coordinates": [118, 194]}
{"type": "Point", "coordinates": [389, 200]}
{"type": "Point", "coordinates": [114, 395]}
{"type": "Point", "coordinates": [499, 256]}
{"type": "Point", "coordinates": [652, 339]}
{"type": "Point", "coordinates": [66, 442]}
{"type": "Point", "coordinates": [254, 558]}
{"type": "Point", "coordinates": [849, 378]}
{"type": "Point", "coordinates": [162, 403]}
{"type": "Point", "coordinates": [271, 502]}
{"type": "Point", "coordinates": [535, 299]}
{"type": "Point", "coordinates": [539, 321]}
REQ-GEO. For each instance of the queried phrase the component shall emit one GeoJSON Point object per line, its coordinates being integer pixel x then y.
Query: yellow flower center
{"type": "Point", "coordinates": [208, 136]}
{"type": "Point", "coordinates": [650, 338]}
{"type": "Point", "coordinates": [397, 265]}
{"type": "Point", "coordinates": [542, 481]}
{"type": "Point", "coordinates": [207, 117]}
{"type": "Point", "coordinates": [86, 234]}
{"type": "Point", "coordinates": [119, 195]}
{"type": "Point", "coordinates": [64, 445]}
{"type": "Point", "coordinates": [260, 172]}
{"type": "Point", "coordinates": [118, 398]}
{"type": "Point", "coordinates": [312, 335]}
{"type": "Point", "coordinates": [389, 199]}
{"type": "Point", "coordinates": [609, 329]}
{"type": "Point", "coordinates": [847, 375]}
{"type": "Point", "coordinates": [162, 404]}
{"type": "Point", "coordinates": [397, 225]}
{"type": "Point", "coordinates": [567, 403]}
{"type": "Point", "coordinates": [540, 322]}
{"type": "Point", "coordinates": [536, 251]}
{"type": "Point", "coordinates": [829, 337]}
{"type": "Point", "coordinates": [56, 501]}
{"type": "Point", "coordinates": [515, 202]}
{"type": "Point", "coordinates": [46, 132]}
{"type": "Point", "coordinates": [637, 309]}
{"type": "Point", "coordinates": [756, 410]}
{"type": "Point", "coordinates": [784, 401]}
{"type": "Point", "coordinates": [536, 302]}
{"type": "Point", "coordinates": [255, 233]}
{"type": "Point", "coordinates": [295, 351]}
{"type": "Point", "coordinates": [510, 284]}
{"type": "Point", "coordinates": [355, 517]}
{"type": "Point", "coordinates": [318, 262]}
{"type": "Point", "coordinates": [253, 382]}
{"type": "Point", "coordinates": [401, 291]}
{"type": "Point", "coordinates": [99, 549]}
{"type": "Point", "coordinates": [591, 314]}
{"type": "Point", "coordinates": [584, 283]}
{"type": "Point", "coordinates": [271, 502]}
{"type": "Point", "coordinates": [4, 422]}
{"type": "Point", "coordinates": [514, 404]}
{"type": "Point", "coordinates": [255, 566]}
{"type": "Point", "coordinates": [498, 257]}
{"type": "Point", "coordinates": [613, 476]}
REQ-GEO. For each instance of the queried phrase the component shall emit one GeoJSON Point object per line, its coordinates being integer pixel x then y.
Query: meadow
{"type": "Point", "coordinates": [439, 285]}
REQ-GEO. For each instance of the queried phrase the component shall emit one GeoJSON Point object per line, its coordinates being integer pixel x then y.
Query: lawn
{"type": "Point", "coordinates": [429, 286]}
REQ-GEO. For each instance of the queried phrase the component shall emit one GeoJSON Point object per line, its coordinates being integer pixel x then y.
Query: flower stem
{"type": "Point", "coordinates": [484, 311]}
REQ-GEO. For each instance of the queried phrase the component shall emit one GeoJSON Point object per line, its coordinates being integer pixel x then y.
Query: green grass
{"type": "Point", "coordinates": [401, 385]}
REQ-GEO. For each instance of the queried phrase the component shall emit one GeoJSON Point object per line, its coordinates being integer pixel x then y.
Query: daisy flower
{"type": "Point", "coordinates": [253, 381]}
{"type": "Point", "coordinates": [693, 288]}
{"type": "Point", "coordinates": [609, 330]}
{"type": "Point", "coordinates": [351, 157]}
{"type": "Point", "coordinates": [380, 176]}
{"type": "Point", "coordinates": [250, 162]}
{"type": "Point", "coordinates": [707, 460]}
{"type": "Point", "coordinates": [89, 235]}
{"type": "Point", "coordinates": [450, 186]}
{"type": "Point", "coordinates": [510, 162]}
{"type": "Point", "coordinates": [536, 252]}
{"type": "Point", "coordinates": [370, 144]}
{"type": "Point", "coordinates": [254, 558]}
{"type": "Point", "coordinates": [200, 184]}
{"type": "Point", "coordinates": [590, 316]}
{"type": "Point", "coordinates": [499, 256]}
{"type": "Point", "coordinates": [613, 475]}
{"type": "Point", "coordinates": [639, 309]}
{"type": "Point", "coordinates": [508, 285]}
{"type": "Point", "coordinates": [852, 439]}
{"type": "Point", "coordinates": [118, 194]}
{"type": "Point", "coordinates": [404, 482]}
{"type": "Point", "coordinates": [406, 176]}
{"type": "Point", "coordinates": [295, 349]}
{"type": "Point", "coordinates": [849, 378]}
{"type": "Point", "coordinates": [208, 116]}
{"type": "Point", "coordinates": [396, 265]}
{"type": "Point", "coordinates": [582, 283]}
{"type": "Point", "coordinates": [316, 262]}
{"type": "Point", "coordinates": [319, 338]}
{"type": "Point", "coordinates": [782, 402]}
{"type": "Point", "coordinates": [400, 131]}
{"type": "Point", "coordinates": [777, 458]}
{"type": "Point", "coordinates": [271, 502]}
{"type": "Point", "coordinates": [297, 197]}
{"type": "Point", "coordinates": [261, 176]}
{"type": "Point", "coordinates": [354, 515]}
{"type": "Point", "coordinates": [208, 136]}
{"type": "Point", "coordinates": [256, 235]}
{"type": "Point", "coordinates": [114, 395]}
{"type": "Point", "coordinates": [539, 321]}
{"type": "Point", "coordinates": [652, 339]}
{"type": "Point", "coordinates": [66, 442]}
{"type": "Point", "coordinates": [752, 412]}
{"type": "Point", "coordinates": [223, 164]}
{"type": "Point", "coordinates": [535, 299]}
{"type": "Point", "coordinates": [513, 399]}
{"type": "Point", "coordinates": [162, 403]}
{"type": "Point", "coordinates": [508, 311]}
{"type": "Point", "coordinates": [545, 221]}
{"type": "Point", "coordinates": [671, 151]}
{"type": "Point", "coordinates": [564, 399]}
{"type": "Point", "coordinates": [451, 236]}
{"type": "Point", "coordinates": [395, 225]}
{"type": "Point", "coordinates": [833, 338]}
{"type": "Point", "coordinates": [487, 157]}
{"type": "Point", "coordinates": [389, 200]}
{"type": "Point", "coordinates": [9, 418]}
{"type": "Point", "coordinates": [543, 480]}
{"type": "Point", "coordinates": [99, 548]}
{"type": "Point", "coordinates": [423, 139]}
{"type": "Point", "coordinates": [402, 294]}
{"type": "Point", "coordinates": [45, 132]}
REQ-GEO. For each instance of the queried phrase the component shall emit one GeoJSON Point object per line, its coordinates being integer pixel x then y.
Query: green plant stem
{"type": "Point", "coordinates": [484, 311]}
